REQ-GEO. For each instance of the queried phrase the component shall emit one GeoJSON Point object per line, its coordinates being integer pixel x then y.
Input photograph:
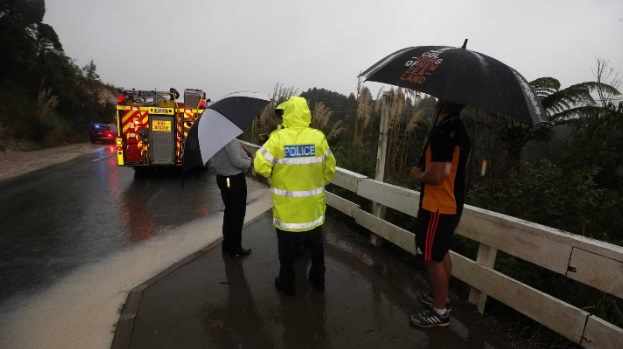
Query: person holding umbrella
{"type": "Point", "coordinates": [231, 164]}
{"type": "Point", "coordinates": [213, 137]}
{"type": "Point", "coordinates": [442, 175]}
{"type": "Point", "coordinates": [300, 163]}
{"type": "Point", "coordinates": [465, 77]}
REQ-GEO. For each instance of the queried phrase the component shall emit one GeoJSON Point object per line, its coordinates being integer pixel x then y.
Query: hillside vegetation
{"type": "Point", "coordinates": [45, 98]}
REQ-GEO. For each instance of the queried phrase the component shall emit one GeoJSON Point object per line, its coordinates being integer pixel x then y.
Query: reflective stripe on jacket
{"type": "Point", "coordinates": [300, 163]}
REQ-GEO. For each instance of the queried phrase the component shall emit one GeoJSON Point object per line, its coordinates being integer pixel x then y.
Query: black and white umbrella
{"type": "Point", "coordinates": [462, 76]}
{"type": "Point", "coordinates": [221, 122]}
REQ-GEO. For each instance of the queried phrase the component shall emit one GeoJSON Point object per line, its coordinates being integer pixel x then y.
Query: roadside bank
{"type": "Point", "coordinates": [15, 163]}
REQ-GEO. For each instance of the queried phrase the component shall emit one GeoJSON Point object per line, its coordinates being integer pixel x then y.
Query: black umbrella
{"type": "Point", "coordinates": [221, 122]}
{"type": "Point", "coordinates": [462, 76]}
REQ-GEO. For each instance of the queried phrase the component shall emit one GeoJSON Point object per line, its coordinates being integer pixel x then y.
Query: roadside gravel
{"type": "Point", "coordinates": [16, 163]}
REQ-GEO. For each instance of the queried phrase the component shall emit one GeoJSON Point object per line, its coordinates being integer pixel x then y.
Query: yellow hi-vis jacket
{"type": "Point", "coordinates": [300, 164]}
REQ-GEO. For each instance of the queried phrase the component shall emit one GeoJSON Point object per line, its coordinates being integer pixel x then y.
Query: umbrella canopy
{"type": "Point", "coordinates": [462, 76]}
{"type": "Point", "coordinates": [221, 122]}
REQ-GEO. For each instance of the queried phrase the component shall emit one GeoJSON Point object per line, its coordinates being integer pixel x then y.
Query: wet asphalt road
{"type": "Point", "coordinates": [78, 212]}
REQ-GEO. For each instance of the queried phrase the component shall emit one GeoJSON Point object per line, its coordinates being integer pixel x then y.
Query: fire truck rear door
{"type": "Point", "coordinates": [162, 140]}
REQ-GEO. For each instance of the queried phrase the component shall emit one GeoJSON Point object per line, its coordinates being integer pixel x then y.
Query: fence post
{"type": "Point", "coordinates": [378, 210]}
{"type": "Point", "coordinates": [486, 257]}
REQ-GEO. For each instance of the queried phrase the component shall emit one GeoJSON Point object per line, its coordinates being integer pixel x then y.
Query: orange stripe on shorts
{"type": "Point", "coordinates": [433, 222]}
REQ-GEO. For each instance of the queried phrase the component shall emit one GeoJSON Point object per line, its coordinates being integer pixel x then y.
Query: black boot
{"type": "Point", "coordinates": [288, 291]}
{"type": "Point", "coordinates": [316, 282]}
{"type": "Point", "coordinates": [241, 252]}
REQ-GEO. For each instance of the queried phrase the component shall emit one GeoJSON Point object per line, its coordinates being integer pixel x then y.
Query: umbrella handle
{"type": "Point", "coordinates": [421, 161]}
{"type": "Point", "coordinates": [245, 150]}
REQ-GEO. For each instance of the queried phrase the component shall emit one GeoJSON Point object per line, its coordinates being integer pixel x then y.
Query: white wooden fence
{"type": "Point", "coordinates": [591, 262]}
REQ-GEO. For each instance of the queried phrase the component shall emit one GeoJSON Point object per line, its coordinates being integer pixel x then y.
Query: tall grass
{"type": "Point", "coordinates": [268, 121]}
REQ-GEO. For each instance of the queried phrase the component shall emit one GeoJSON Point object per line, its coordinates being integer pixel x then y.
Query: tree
{"type": "Point", "coordinates": [47, 40]}
{"type": "Point", "coordinates": [561, 105]}
{"type": "Point", "coordinates": [603, 72]}
{"type": "Point", "coordinates": [337, 102]}
{"type": "Point", "coordinates": [22, 12]}
{"type": "Point", "coordinates": [89, 72]}
{"type": "Point", "coordinates": [597, 141]}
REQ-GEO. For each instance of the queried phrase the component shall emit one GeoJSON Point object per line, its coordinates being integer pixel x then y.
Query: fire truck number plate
{"type": "Point", "coordinates": [161, 125]}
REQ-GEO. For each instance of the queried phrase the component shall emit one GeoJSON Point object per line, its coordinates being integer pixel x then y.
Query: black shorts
{"type": "Point", "coordinates": [433, 234]}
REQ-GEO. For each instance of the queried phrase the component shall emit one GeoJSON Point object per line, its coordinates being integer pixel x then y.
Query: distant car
{"type": "Point", "coordinates": [103, 133]}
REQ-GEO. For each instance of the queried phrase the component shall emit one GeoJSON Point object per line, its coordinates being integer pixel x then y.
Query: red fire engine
{"type": "Point", "coordinates": [153, 126]}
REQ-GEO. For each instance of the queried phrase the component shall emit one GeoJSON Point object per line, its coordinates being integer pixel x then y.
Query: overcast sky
{"type": "Point", "coordinates": [223, 46]}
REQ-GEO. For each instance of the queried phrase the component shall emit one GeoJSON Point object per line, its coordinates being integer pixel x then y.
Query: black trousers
{"type": "Point", "coordinates": [288, 243]}
{"type": "Point", "coordinates": [235, 199]}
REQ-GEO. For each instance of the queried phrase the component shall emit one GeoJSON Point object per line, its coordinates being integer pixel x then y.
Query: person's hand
{"type": "Point", "coordinates": [416, 174]}
{"type": "Point", "coordinates": [251, 165]}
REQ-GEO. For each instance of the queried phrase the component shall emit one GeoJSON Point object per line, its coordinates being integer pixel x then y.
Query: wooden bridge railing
{"type": "Point", "coordinates": [591, 262]}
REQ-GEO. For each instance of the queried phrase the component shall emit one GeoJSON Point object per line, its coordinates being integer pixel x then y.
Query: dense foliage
{"type": "Point", "coordinates": [44, 96]}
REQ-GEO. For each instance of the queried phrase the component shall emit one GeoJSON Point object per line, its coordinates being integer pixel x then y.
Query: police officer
{"type": "Point", "coordinates": [299, 162]}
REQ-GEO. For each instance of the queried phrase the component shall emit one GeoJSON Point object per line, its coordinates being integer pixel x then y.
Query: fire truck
{"type": "Point", "coordinates": [153, 126]}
